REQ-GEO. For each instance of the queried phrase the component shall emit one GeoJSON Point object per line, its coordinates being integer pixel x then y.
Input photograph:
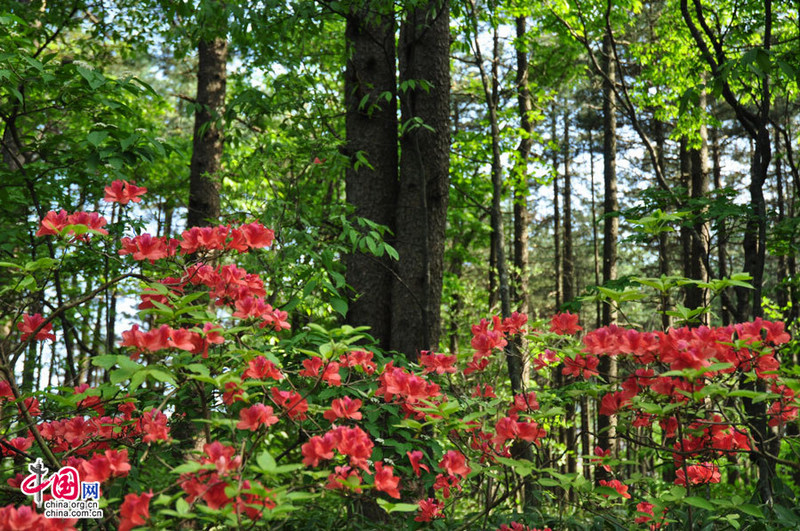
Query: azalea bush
{"type": "Point", "coordinates": [215, 411]}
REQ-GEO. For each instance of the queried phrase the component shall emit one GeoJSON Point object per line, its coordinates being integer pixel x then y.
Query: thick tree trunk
{"type": "Point", "coordinates": [207, 146]}
{"type": "Point", "coordinates": [371, 129]}
{"type": "Point", "coordinates": [424, 54]}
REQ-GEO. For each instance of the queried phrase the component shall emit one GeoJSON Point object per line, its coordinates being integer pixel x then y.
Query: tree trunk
{"type": "Point", "coordinates": [371, 129]}
{"type": "Point", "coordinates": [685, 167]}
{"type": "Point", "coordinates": [606, 426]}
{"type": "Point", "coordinates": [722, 232]}
{"type": "Point", "coordinates": [697, 297]}
{"type": "Point", "coordinates": [663, 258]}
{"type": "Point", "coordinates": [521, 215]}
{"type": "Point", "coordinates": [595, 239]}
{"type": "Point", "coordinates": [559, 279]}
{"type": "Point", "coordinates": [424, 54]}
{"type": "Point", "coordinates": [610, 202]}
{"type": "Point", "coordinates": [568, 264]}
{"type": "Point", "coordinates": [207, 146]}
{"type": "Point", "coordinates": [782, 293]}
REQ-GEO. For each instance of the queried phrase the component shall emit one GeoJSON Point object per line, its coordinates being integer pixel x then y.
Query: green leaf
{"type": "Point", "coordinates": [137, 379]}
{"type": "Point", "coordinates": [266, 462]}
{"type": "Point", "coordinates": [182, 507]}
{"type": "Point", "coordinates": [94, 79]}
{"type": "Point", "coordinates": [95, 137]}
{"type": "Point", "coordinates": [390, 507]}
{"type": "Point", "coordinates": [702, 503]}
{"type": "Point", "coordinates": [550, 482]}
{"type": "Point", "coordinates": [340, 305]}
{"type": "Point", "coordinates": [162, 376]}
{"type": "Point", "coordinates": [187, 468]}
{"type": "Point", "coordinates": [41, 263]}
{"type": "Point", "coordinates": [752, 510]}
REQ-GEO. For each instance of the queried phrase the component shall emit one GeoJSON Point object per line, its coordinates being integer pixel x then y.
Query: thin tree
{"type": "Point", "coordinates": [208, 139]}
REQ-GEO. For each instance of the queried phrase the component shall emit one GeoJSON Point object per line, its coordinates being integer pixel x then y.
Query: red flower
{"type": "Point", "coordinates": [257, 235]}
{"type": "Point", "coordinates": [415, 457]}
{"type": "Point", "coordinates": [525, 402]}
{"type": "Point", "coordinates": [484, 341]}
{"type": "Point", "coordinates": [96, 469]}
{"type": "Point", "coordinates": [698, 474]}
{"type": "Point", "coordinates": [344, 478]}
{"type": "Point", "coordinates": [396, 381]}
{"type": "Point", "coordinates": [331, 374]}
{"type": "Point", "coordinates": [154, 424]}
{"type": "Point", "coordinates": [564, 324]}
{"type": "Point", "coordinates": [222, 456]}
{"type": "Point", "coordinates": [20, 443]}
{"type": "Point", "coordinates": [122, 192]}
{"type": "Point", "coordinates": [92, 220]}
{"type": "Point", "coordinates": [185, 339]}
{"type": "Point", "coordinates": [543, 359]}
{"type": "Point", "coordinates": [261, 368]}
{"type": "Point", "coordinates": [445, 483]}
{"type": "Point", "coordinates": [53, 223]}
{"type": "Point", "coordinates": [147, 247]}
{"type": "Point", "coordinates": [118, 462]}
{"type": "Point", "coordinates": [32, 405]}
{"type": "Point", "coordinates": [516, 526]}
{"type": "Point", "coordinates": [600, 453]}
{"type": "Point", "coordinates": [135, 511]}
{"type": "Point", "coordinates": [586, 365]}
{"type": "Point", "coordinates": [233, 393]}
{"type": "Point", "coordinates": [429, 509]}
{"type": "Point", "coordinates": [318, 448]}
{"type": "Point", "coordinates": [613, 402]}
{"type": "Point", "coordinates": [5, 391]}
{"type": "Point", "coordinates": [294, 404]}
{"type": "Point", "coordinates": [21, 518]}
{"type": "Point", "coordinates": [359, 358]}
{"type": "Point", "coordinates": [455, 464]}
{"type": "Point", "coordinates": [513, 325]}
{"type": "Point", "coordinates": [530, 431]}
{"type": "Point", "coordinates": [617, 486]}
{"type": "Point", "coordinates": [30, 323]}
{"type": "Point", "coordinates": [438, 363]}
{"type": "Point", "coordinates": [312, 366]}
{"type": "Point", "coordinates": [477, 364]}
{"type": "Point", "coordinates": [344, 408]}
{"type": "Point", "coordinates": [647, 508]}
{"type": "Point", "coordinates": [385, 480]}
{"type": "Point", "coordinates": [487, 392]}
{"type": "Point", "coordinates": [355, 443]}
{"type": "Point", "coordinates": [256, 416]}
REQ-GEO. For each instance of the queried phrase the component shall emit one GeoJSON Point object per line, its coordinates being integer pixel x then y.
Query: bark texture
{"type": "Point", "coordinates": [422, 196]}
{"type": "Point", "coordinates": [371, 125]}
{"type": "Point", "coordinates": [208, 139]}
